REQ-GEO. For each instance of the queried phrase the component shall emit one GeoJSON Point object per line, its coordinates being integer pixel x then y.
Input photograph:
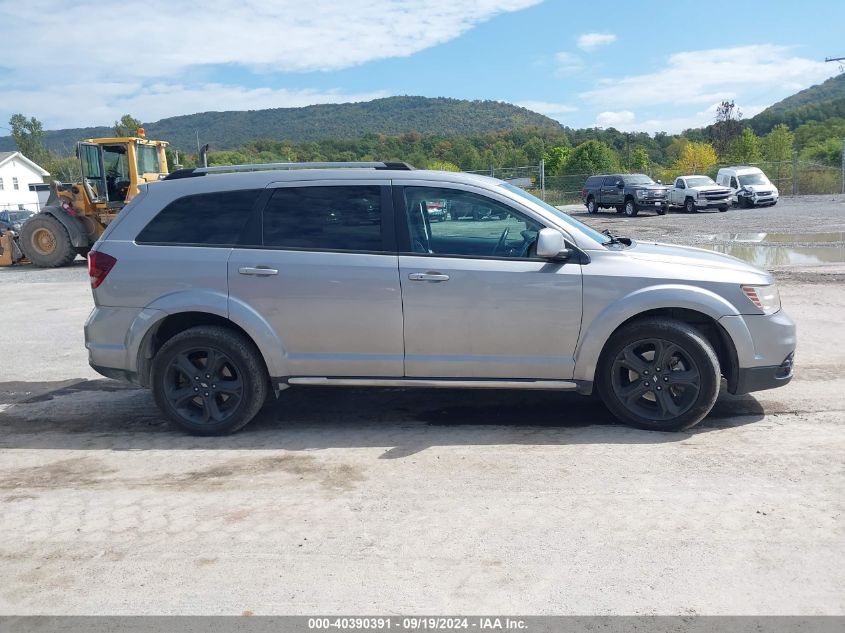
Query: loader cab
{"type": "Point", "coordinates": [112, 168]}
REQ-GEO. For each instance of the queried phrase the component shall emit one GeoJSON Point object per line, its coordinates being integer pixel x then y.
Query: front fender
{"type": "Point", "coordinates": [598, 331]}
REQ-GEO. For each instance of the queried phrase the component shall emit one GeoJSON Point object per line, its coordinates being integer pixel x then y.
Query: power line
{"type": "Point", "coordinates": [834, 59]}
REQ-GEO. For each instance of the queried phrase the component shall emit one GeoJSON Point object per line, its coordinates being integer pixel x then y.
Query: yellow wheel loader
{"type": "Point", "coordinates": [76, 214]}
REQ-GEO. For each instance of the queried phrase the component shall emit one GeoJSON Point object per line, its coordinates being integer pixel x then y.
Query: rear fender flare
{"type": "Point", "coordinates": [597, 333]}
{"type": "Point", "coordinates": [209, 302]}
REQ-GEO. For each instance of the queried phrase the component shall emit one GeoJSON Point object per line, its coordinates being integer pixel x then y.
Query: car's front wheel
{"type": "Point", "coordinates": [658, 375]}
{"type": "Point", "coordinates": [630, 208]}
{"type": "Point", "coordinates": [210, 380]}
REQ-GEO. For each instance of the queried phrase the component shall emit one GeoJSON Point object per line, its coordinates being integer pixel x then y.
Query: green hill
{"type": "Point", "coordinates": [392, 115]}
{"type": "Point", "coordinates": [817, 103]}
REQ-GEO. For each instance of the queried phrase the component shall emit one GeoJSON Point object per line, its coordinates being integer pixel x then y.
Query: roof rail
{"type": "Point", "coordinates": [202, 171]}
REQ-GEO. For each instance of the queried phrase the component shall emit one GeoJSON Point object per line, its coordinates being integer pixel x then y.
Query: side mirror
{"type": "Point", "coordinates": [659, 182]}
{"type": "Point", "coordinates": [550, 245]}
{"type": "Point", "coordinates": [621, 185]}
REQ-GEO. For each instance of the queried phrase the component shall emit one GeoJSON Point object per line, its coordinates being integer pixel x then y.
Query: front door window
{"type": "Point", "coordinates": [471, 225]}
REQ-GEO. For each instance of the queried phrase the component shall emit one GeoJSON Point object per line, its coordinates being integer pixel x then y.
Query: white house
{"type": "Point", "coordinates": [18, 179]}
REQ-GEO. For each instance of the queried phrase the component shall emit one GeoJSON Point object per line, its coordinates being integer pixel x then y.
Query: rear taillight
{"type": "Point", "coordinates": [99, 265]}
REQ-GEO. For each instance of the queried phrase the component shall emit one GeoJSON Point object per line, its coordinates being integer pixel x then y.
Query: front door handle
{"type": "Point", "coordinates": [428, 277]}
{"type": "Point", "coordinates": [258, 271]}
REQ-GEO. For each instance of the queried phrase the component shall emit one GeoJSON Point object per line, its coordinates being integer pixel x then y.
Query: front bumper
{"type": "Point", "coordinates": [760, 378]}
{"type": "Point", "coordinates": [713, 204]}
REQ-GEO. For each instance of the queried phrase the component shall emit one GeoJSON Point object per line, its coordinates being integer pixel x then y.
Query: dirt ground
{"type": "Point", "coordinates": [399, 501]}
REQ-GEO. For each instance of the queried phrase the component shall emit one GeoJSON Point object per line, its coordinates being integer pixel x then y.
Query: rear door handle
{"type": "Point", "coordinates": [428, 277]}
{"type": "Point", "coordinates": [258, 271]}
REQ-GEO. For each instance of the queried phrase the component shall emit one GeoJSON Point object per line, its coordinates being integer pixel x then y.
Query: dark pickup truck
{"type": "Point", "coordinates": [627, 193]}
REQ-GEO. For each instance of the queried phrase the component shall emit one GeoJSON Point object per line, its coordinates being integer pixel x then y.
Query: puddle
{"type": "Point", "coordinates": [768, 255]}
{"type": "Point", "coordinates": [780, 238]}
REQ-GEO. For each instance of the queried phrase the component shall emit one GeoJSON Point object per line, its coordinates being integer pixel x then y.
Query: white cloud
{"type": "Point", "coordinates": [591, 41]}
{"type": "Point", "coordinates": [615, 119]}
{"type": "Point", "coordinates": [177, 43]}
{"type": "Point", "coordinates": [567, 63]}
{"type": "Point", "coordinates": [626, 121]}
{"type": "Point", "coordinates": [548, 108]}
{"type": "Point", "coordinates": [699, 77]}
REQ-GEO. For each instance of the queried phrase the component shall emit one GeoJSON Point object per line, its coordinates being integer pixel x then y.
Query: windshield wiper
{"type": "Point", "coordinates": [617, 239]}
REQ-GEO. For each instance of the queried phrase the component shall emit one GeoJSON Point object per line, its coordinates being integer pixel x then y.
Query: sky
{"type": "Point", "coordinates": [636, 66]}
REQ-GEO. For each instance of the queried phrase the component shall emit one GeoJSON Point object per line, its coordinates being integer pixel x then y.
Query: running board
{"type": "Point", "coordinates": [315, 381]}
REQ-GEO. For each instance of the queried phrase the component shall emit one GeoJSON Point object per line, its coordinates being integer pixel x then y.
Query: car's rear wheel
{"type": "Point", "coordinates": [723, 208]}
{"type": "Point", "coordinates": [661, 210]}
{"type": "Point", "coordinates": [210, 380]}
{"type": "Point", "coordinates": [591, 205]}
{"type": "Point", "coordinates": [630, 208]}
{"type": "Point", "coordinates": [658, 375]}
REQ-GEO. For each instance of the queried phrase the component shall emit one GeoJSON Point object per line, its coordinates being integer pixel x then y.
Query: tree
{"type": "Point", "coordinates": [778, 144]}
{"type": "Point", "coordinates": [727, 126]}
{"type": "Point", "coordinates": [126, 126]}
{"type": "Point", "coordinates": [696, 158]}
{"type": "Point", "coordinates": [746, 148]}
{"type": "Point", "coordinates": [555, 159]}
{"type": "Point", "coordinates": [640, 160]}
{"type": "Point", "coordinates": [675, 149]}
{"type": "Point", "coordinates": [591, 157]}
{"type": "Point", "coordinates": [827, 152]}
{"type": "Point", "coordinates": [29, 137]}
{"type": "Point", "coordinates": [443, 165]}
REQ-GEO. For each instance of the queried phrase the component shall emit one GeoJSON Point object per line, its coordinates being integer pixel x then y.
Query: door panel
{"type": "Point", "coordinates": [491, 318]}
{"type": "Point", "coordinates": [477, 304]}
{"type": "Point", "coordinates": [337, 314]}
{"type": "Point", "coordinates": [326, 277]}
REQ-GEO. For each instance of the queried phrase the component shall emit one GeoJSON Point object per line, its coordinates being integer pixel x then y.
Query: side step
{"type": "Point", "coordinates": [317, 381]}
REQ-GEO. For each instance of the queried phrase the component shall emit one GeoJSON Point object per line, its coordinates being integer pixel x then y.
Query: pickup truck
{"type": "Point", "coordinates": [627, 193]}
{"type": "Point", "coordinates": [695, 193]}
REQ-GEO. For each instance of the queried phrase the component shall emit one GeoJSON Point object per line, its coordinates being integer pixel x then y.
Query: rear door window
{"type": "Point", "coordinates": [325, 218]}
{"type": "Point", "coordinates": [207, 219]}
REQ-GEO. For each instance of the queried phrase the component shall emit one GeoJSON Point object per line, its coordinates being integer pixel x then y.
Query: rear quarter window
{"type": "Point", "coordinates": [593, 181]}
{"type": "Point", "coordinates": [207, 219]}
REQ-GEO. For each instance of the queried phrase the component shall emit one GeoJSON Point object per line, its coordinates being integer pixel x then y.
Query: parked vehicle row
{"type": "Point", "coordinates": [632, 193]}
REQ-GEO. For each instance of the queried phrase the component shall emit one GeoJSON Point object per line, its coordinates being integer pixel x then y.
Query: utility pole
{"type": "Point", "coordinates": [843, 166]}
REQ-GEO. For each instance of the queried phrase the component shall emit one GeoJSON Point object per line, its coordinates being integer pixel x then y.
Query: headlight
{"type": "Point", "coordinates": [640, 193]}
{"type": "Point", "coordinates": [764, 298]}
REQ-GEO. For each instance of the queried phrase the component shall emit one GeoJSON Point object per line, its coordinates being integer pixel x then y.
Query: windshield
{"type": "Point", "coordinates": [639, 179]}
{"type": "Point", "coordinates": [20, 216]}
{"type": "Point", "coordinates": [598, 237]}
{"type": "Point", "coordinates": [753, 179]}
{"type": "Point", "coordinates": [699, 181]}
{"type": "Point", "coordinates": [148, 162]}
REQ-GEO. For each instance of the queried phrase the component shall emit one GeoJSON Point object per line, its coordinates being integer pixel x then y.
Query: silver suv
{"type": "Point", "coordinates": [221, 287]}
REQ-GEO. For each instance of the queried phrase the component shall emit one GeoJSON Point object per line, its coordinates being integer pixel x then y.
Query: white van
{"type": "Point", "coordinates": [749, 186]}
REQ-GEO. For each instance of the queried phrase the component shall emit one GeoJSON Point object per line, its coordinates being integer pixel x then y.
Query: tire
{"type": "Point", "coordinates": [692, 389]}
{"type": "Point", "coordinates": [723, 208]}
{"type": "Point", "coordinates": [197, 403]}
{"type": "Point", "coordinates": [45, 241]}
{"type": "Point", "coordinates": [591, 205]}
{"type": "Point", "coordinates": [661, 210]}
{"type": "Point", "coordinates": [630, 208]}
{"type": "Point", "coordinates": [689, 205]}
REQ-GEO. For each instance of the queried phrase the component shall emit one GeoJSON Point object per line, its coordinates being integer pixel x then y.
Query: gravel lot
{"type": "Point", "coordinates": [393, 501]}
